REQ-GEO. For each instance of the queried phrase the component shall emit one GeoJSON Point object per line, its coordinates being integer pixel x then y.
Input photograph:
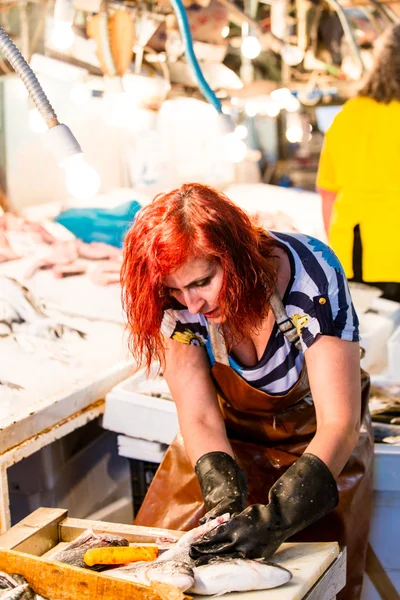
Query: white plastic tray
{"type": "Point", "coordinates": [132, 413]}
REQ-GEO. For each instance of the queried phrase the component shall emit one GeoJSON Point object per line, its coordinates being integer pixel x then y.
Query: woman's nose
{"type": "Point", "coordinates": [193, 301]}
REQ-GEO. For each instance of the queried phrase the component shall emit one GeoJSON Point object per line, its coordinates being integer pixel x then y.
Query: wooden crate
{"type": "Point", "coordinates": [26, 549]}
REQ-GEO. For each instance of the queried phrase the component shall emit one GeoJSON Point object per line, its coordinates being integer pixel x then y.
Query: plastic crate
{"type": "Point", "coordinates": [142, 474]}
{"type": "Point", "coordinates": [90, 479]}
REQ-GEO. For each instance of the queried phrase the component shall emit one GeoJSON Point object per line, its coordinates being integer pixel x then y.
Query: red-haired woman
{"type": "Point", "coordinates": [258, 340]}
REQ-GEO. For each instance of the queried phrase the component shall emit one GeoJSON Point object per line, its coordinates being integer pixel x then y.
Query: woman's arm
{"type": "Point", "coordinates": [187, 372]}
{"type": "Point", "coordinates": [328, 199]}
{"type": "Point", "coordinates": [333, 367]}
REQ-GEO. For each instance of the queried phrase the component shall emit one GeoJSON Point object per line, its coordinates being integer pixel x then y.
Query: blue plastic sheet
{"type": "Point", "coordinates": [107, 225]}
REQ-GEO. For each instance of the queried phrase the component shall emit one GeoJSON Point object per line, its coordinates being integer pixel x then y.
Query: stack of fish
{"type": "Point", "coordinates": [175, 567]}
{"type": "Point", "coordinates": [16, 587]}
{"type": "Point", "coordinates": [384, 406]}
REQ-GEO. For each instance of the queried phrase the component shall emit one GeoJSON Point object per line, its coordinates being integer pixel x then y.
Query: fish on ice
{"type": "Point", "coordinates": [18, 305]}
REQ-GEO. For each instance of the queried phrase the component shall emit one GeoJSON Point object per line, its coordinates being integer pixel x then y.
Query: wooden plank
{"type": "Point", "coordinates": [5, 517]}
{"type": "Point", "coordinates": [57, 581]}
{"type": "Point", "coordinates": [331, 582]}
{"type": "Point", "coordinates": [54, 550]}
{"type": "Point", "coordinates": [37, 533]}
{"type": "Point", "coordinates": [55, 432]}
{"type": "Point", "coordinates": [70, 528]}
{"type": "Point", "coordinates": [379, 577]}
{"type": "Point", "coordinates": [36, 417]}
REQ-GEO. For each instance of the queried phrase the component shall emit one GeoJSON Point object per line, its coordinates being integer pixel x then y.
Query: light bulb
{"type": "Point", "coordinates": [251, 109]}
{"type": "Point", "coordinates": [234, 148]}
{"type": "Point", "coordinates": [271, 108]}
{"type": "Point", "coordinates": [225, 31]}
{"type": "Point", "coordinates": [285, 99]}
{"type": "Point", "coordinates": [82, 180]}
{"type": "Point", "coordinates": [251, 47]}
{"type": "Point", "coordinates": [294, 134]}
{"type": "Point", "coordinates": [36, 121]}
{"type": "Point", "coordinates": [292, 55]}
{"type": "Point", "coordinates": [62, 37]}
{"type": "Point", "coordinates": [241, 132]}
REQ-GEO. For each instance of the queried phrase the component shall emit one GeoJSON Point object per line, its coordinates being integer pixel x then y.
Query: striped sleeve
{"type": "Point", "coordinates": [333, 311]}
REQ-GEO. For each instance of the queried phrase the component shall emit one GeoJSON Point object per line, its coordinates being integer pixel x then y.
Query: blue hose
{"type": "Point", "coordinates": [191, 57]}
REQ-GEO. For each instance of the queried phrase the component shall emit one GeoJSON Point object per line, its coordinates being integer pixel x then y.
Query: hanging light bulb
{"type": "Point", "coordinates": [251, 47]}
{"type": "Point", "coordinates": [241, 132]}
{"type": "Point", "coordinates": [294, 128]}
{"type": "Point", "coordinates": [82, 180]}
{"type": "Point", "coordinates": [285, 99]}
{"type": "Point", "coordinates": [235, 149]}
{"type": "Point", "coordinates": [294, 134]}
{"type": "Point", "coordinates": [225, 31]}
{"type": "Point", "coordinates": [292, 55]}
{"type": "Point", "coordinates": [271, 108]}
{"type": "Point", "coordinates": [62, 37]}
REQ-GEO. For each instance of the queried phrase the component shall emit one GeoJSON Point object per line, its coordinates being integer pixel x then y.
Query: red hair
{"type": "Point", "coordinates": [194, 221]}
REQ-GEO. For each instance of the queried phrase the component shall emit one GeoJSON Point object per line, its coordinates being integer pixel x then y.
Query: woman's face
{"type": "Point", "coordinates": [197, 285]}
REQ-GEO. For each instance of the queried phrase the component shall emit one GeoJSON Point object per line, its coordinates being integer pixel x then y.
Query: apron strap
{"type": "Point", "coordinates": [284, 322]}
{"type": "Point", "coordinates": [218, 344]}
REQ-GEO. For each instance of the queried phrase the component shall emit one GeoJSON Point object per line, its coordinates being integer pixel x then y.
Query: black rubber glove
{"type": "Point", "coordinates": [303, 494]}
{"type": "Point", "coordinates": [223, 484]}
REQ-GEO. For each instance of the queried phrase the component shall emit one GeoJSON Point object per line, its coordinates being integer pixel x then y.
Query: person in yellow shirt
{"type": "Point", "coordinates": [359, 175]}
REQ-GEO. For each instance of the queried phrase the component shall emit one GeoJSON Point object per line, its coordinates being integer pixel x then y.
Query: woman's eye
{"type": "Point", "coordinates": [203, 283]}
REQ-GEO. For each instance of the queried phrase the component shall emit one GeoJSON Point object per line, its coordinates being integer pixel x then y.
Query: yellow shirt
{"type": "Point", "coordinates": [360, 161]}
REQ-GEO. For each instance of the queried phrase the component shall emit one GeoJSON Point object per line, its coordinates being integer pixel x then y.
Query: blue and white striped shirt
{"type": "Point", "coordinates": [317, 300]}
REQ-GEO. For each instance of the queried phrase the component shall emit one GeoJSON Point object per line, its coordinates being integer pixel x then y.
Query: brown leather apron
{"type": "Point", "coordinates": [268, 434]}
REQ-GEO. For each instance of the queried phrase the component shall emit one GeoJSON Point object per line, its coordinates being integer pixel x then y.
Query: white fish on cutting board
{"type": "Point", "coordinates": [220, 576]}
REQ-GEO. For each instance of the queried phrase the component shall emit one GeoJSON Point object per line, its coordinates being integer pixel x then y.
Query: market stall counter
{"type": "Point", "coordinates": [56, 369]}
{"type": "Point", "coordinates": [317, 569]}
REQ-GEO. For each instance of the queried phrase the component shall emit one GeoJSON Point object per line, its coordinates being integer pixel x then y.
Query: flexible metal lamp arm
{"type": "Point", "coordinates": [59, 139]}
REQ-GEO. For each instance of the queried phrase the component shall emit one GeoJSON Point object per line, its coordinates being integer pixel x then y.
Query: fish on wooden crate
{"type": "Point", "coordinates": [74, 552]}
{"type": "Point", "coordinates": [219, 576]}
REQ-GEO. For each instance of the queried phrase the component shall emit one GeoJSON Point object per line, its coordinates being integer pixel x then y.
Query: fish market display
{"type": "Point", "coordinates": [101, 262]}
{"type": "Point", "coordinates": [384, 406]}
{"type": "Point", "coordinates": [74, 552]}
{"type": "Point", "coordinates": [16, 587]}
{"type": "Point", "coordinates": [19, 307]}
{"type": "Point", "coordinates": [221, 575]}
